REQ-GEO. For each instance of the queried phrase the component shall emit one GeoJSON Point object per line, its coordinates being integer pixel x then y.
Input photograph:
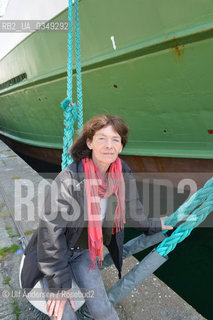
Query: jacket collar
{"type": "Point", "coordinates": [78, 171]}
{"type": "Point", "coordinates": [77, 167]}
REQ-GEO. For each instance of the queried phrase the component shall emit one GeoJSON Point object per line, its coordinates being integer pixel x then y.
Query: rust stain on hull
{"type": "Point", "coordinates": [178, 51]}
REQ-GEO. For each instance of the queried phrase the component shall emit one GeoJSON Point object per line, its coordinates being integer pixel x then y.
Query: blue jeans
{"type": "Point", "coordinates": [99, 307]}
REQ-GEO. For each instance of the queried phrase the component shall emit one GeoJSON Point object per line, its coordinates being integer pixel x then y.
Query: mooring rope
{"type": "Point", "coordinates": [197, 208]}
{"type": "Point", "coordinates": [72, 111]}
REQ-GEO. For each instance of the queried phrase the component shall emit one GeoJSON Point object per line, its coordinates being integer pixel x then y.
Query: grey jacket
{"type": "Point", "coordinates": [62, 220]}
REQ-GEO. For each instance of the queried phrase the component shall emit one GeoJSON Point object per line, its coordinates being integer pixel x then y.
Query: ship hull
{"type": "Point", "coordinates": [157, 76]}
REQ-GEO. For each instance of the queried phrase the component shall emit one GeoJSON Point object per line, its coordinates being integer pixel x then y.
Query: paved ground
{"type": "Point", "coordinates": [152, 300]}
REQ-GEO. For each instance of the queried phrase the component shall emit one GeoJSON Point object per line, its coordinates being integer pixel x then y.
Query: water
{"type": "Point", "coordinates": [189, 269]}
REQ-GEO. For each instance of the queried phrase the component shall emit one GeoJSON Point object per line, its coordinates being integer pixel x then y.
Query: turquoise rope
{"type": "Point", "coordinates": [195, 200]}
{"type": "Point", "coordinates": [78, 69]}
{"type": "Point", "coordinates": [72, 111]}
{"type": "Point", "coordinates": [70, 52]}
{"type": "Point", "coordinates": [199, 205]}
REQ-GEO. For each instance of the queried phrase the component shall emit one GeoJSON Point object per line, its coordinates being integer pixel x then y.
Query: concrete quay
{"type": "Point", "coordinates": [152, 300]}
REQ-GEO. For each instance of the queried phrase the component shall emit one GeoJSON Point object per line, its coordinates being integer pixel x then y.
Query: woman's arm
{"type": "Point", "coordinates": [52, 250]}
{"type": "Point", "coordinates": [135, 216]}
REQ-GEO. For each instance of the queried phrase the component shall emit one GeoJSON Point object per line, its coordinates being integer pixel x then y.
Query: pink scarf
{"type": "Point", "coordinates": [98, 188]}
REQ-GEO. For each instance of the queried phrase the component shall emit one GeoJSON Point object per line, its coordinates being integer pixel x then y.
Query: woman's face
{"type": "Point", "coordinates": [105, 145]}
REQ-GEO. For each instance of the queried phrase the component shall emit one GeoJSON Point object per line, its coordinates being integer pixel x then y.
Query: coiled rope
{"type": "Point", "coordinates": [72, 111]}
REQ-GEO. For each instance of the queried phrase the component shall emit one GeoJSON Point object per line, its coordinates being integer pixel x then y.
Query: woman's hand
{"type": "Point", "coordinates": [163, 226]}
{"type": "Point", "coordinates": [56, 303]}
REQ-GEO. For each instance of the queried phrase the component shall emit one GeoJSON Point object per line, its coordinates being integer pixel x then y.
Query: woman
{"type": "Point", "coordinates": [78, 217]}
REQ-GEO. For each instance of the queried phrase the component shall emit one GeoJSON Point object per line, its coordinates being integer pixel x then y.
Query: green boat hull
{"type": "Point", "coordinates": [159, 78]}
